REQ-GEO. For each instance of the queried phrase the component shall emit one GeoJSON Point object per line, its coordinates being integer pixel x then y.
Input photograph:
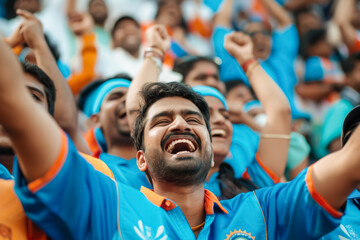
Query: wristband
{"type": "Point", "coordinates": [251, 68]}
{"type": "Point", "coordinates": [153, 52]}
{"type": "Point", "coordinates": [246, 64]}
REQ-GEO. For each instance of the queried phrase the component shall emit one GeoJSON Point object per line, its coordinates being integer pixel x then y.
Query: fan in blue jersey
{"type": "Point", "coordinates": [69, 199]}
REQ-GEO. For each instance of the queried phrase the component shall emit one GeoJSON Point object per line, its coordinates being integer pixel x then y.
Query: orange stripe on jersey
{"type": "Point", "coordinates": [271, 174]}
{"type": "Point", "coordinates": [157, 200]}
{"type": "Point", "coordinates": [92, 143]}
{"type": "Point", "coordinates": [210, 199]}
{"type": "Point", "coordinates": [99, 165]}
{"type": "Point", "coordinates": [317, 197]}
{"type": "Point", "coordinates": [39, 183]}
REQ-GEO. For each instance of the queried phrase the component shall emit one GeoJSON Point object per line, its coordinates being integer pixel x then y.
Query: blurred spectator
{"type": "Point", "coordinates": [350, 97]}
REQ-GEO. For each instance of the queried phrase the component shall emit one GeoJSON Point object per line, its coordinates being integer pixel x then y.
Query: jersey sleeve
{"type": "Point", "coordinates": [260, 174]}
{"type": "Point", "coordinates": [313, 70]}
{"type": "Point", "coordinates": [73, 200]}
{"type": "Point", "coordinates": [229, 69]}
{"type": "Point", "coordinates": [295, 210]}
{"type": "Point", "coordinates": [285, 42]}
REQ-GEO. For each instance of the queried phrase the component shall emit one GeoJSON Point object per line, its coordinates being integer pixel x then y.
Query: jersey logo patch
{"type": "Point", "coordinates": [146, 233]}
{"type": "Point", "coordinates": [239, 235]}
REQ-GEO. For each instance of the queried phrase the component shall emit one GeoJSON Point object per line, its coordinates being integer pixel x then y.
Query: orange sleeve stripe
{"type": "Point", "coordinates": [92, 143]}
{"type": "Point", "coordinates": [88, 56]}
{"type": "Point", "coordinates": [50, 175]}
{"type": "Point", "coordinates": [269, 172]}
{"type": "Point", "coordinates": [317, 197]}
{"type": "Point", "coordinates": [99, 165]}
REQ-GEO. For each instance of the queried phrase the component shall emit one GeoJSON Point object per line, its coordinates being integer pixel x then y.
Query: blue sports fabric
{"type": "Point", "coordinates": [333, 122]}
{"type": "Point", "coordinates": [319, 69]}
{"type": "Point", "coordinates": [125, 171]}
{"type": "Point", "coordinates": [350, 223]}
{"type": "Point", "coordinates": [279, 65]}
{"type": "Point", "coordinates": [81, 203]}
{"type": "Point", "coordinates": [4, 173]}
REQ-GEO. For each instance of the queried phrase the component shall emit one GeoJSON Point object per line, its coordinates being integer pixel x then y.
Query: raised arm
{"type": "Point", "coordinates": [35, 136]}
{"type": "Point", "coordinates": [159, 42]}
{"type": "Point", "coordinates": [344, 12]}
{"type": "Point", "coordinates": [223, 16]}
{"type": "Point", "coordinates": [277, 12]}
{"type": "Point", "coordinates": [275, 138]}
{"type": "Point", "coordinates": [338, 174]}
{"type": "Point", "coordinates": [65, 108]}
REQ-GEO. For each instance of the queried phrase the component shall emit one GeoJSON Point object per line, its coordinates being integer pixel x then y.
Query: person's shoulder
{"type": "Point", "coordinates": [98, 165]}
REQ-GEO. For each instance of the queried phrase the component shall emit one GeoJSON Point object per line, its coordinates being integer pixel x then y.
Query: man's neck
{"type": "Point", "coordinates": [123, 150]}
{"type": "Point", "coordinates": [190, 199]}
{"type": "Point", "coordinates": [7, 161]}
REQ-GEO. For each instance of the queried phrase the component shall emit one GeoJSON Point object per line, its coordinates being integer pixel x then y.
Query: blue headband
{"type": "Point", "coordinates": [212, 92]}
{"type": "Point", "coordinates": [251, 105]}
{"type": "Point", "coordinates": [104, 90]}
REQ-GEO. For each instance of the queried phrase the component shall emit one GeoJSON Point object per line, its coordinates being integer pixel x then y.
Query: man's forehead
{"type": "Point", "coordinates": [172, 105]}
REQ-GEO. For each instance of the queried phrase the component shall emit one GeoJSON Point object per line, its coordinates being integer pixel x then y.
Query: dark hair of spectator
{"type": "Point", "coordinates": [311, 38]}
{"type": "Point", "coordinates": [43, 78]}
{"type": "Point", "coordinates": [348, 64]}
{"type": "Point", "coordinates": [185, 65]}
{"type": "Point", "coordinates": [231, 186]}
{"type": "Point", "coordinates": [237, 82]}
{"type": "Point", "coordinates": [122, 19]}
{"type": "Point", "coordinates": [153, 92]}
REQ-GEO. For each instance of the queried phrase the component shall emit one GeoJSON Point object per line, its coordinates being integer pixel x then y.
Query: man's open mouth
{"type": "Point", "coordinates": [218, 133]}
{"type": "Point", "coordinates": [176, 144]}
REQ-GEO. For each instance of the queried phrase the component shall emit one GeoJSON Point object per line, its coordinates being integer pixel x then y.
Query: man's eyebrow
{"type": "Point", "coordinates": [36, 90]}
{"type": "Point", "coordinates": [162, 114]}
{"type": "Point", "coordinates": [190, 112]}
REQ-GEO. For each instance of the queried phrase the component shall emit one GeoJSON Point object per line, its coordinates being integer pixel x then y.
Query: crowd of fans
{"type": "Point", "coordinates": [178, 96]}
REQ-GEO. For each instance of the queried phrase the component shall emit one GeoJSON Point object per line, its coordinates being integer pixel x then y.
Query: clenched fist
{"type": "Point", "coordinates": [157, 36]}
{"type": "Point", "coordinates": [240, 46]}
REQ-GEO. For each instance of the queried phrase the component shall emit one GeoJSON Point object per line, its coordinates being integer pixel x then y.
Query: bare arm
{"type": "Point", "coordinates": [223, 16]}
{"type": "Point", "coordinates": [36, 140]}
{"type": "Point", "coordinates": [343, 14]}
{"type": "Point", "coordinates": [337, 175]}
{"type": "Point", "coordinates": [65, 108]}
{"type": "Point", "coordinates": [278, 12]}
{"type": "Point", "coordinates": [157, 38]}
{"type": "Point", "coordinates": [272, 151]}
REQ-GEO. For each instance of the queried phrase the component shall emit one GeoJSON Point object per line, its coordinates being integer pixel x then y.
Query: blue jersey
{"type": "Point", "coordinates": [350, 224]}
{"type": "Point", "coordinates": [4, 173]}
{"type": "Point", "coordinates": [279, 65]}
{"type": "Point", "coordinates": [125, 171]}
{"type": "Point", "coordinates": [242, 158]}
{"type": "Point", "coordinates": [74, 201]}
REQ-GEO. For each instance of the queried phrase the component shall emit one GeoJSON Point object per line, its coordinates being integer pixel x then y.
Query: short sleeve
{"type": "Point", "coordinates": [73, 200]}
{"type": "Point", "coordinates": [295, 210]}
{"type": "Point", "coordinates": [285, 42]}
{"type": "Point", "coordinates": [230, 68]}
{"type": "Point", "coordinates": [313, 70]}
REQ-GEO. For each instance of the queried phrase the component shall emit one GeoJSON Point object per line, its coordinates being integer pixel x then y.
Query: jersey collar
{"type": "Point", "coordinates": [160, 201]}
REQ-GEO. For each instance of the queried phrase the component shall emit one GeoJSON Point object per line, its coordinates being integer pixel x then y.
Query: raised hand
{"type": "Point", "coordinates": [81, 23]}
{"type": "Point", "coordinates": [157, 37]}
{"type": "Point", "coordinates": [31, 29]}
{"type": "Point", "coordinates": [240, 46]}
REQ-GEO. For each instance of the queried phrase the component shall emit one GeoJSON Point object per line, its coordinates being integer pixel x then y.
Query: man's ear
{"type": "Point", "coordinates": [140, 160]}
{"type": "Point", "coordinates": [95, 119]}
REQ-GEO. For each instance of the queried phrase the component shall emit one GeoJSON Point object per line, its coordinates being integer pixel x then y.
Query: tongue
{"type": "Point", "coordinates": [180, 147]}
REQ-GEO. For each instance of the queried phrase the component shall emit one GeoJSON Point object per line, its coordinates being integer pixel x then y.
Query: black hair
{"type": "Point", "coordinates": [120, 19]}
{"type": "Point", "coordinates": [154, 92]}
{"type": "Point", "coordinates": [185, 65]}
{"type": "Point", "coordinates": [43, 78]}
{"type": "Point", "coordinates": [309, 39]}
{"type": "Point", "coordinates": [348, 64]}
{"type": "Point", "coordinates": [231, 186]}
{"type": "Point", "coordinates": [230, 84]}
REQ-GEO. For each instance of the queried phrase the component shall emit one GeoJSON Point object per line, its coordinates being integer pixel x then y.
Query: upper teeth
{"type": "Point", "coordinates": [173, 143]}
{"type": "Point", "coordinates": [220, 132]}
